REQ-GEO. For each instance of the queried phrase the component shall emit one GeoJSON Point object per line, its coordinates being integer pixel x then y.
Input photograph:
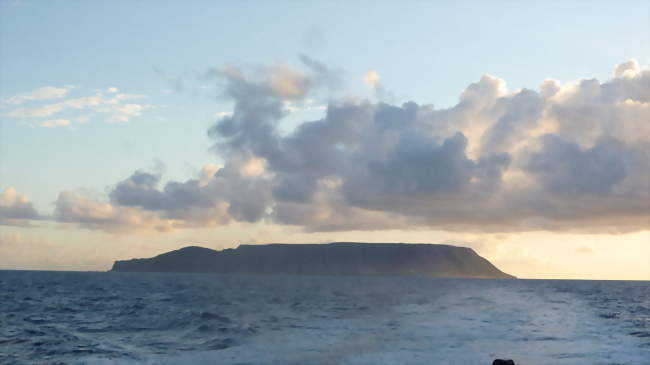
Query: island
{"type": "Point", "coordinates": [337, 258]}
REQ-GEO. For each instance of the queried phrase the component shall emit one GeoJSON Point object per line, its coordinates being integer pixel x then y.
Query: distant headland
{"type": "Point", "coordinates": [338, 258]}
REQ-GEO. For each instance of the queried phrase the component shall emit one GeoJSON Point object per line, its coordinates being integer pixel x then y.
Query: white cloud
{"type": "Point", "coordinates": [627, 69]}
{"type": "Point", "coordinates": [35, 112]}
{"type": "Point", "coordinates": [125, 112]}
{"type": "Point", "coordinates": [42, 93]}
{"type": "Point", "coordinates": [222, 114]}
{"type": "Point", "coordinates": [84, 102]}
{"type": "Point", "coordinates": [54, 123]}
{"type": "Point", "coordinates": [114, 107]}
{"type": "Point", "coordinates": [371, 78]}
{"type": "Point", "coordinates": [253, 167]}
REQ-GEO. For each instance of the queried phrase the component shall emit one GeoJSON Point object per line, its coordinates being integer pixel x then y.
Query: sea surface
{"type": "Point", "coordinates": [155, 318]}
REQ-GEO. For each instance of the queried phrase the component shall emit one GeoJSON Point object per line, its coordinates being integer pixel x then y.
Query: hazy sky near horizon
{"type": "Point", "coordinates": [520, 129]}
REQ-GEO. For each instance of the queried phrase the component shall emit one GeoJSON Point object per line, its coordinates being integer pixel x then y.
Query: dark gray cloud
{"type": "Point", "coordinates": [141, 189]}
{"type": "Point", "coordinates": [562, 167]}
{"type": "Point", "coordinates": [569, 157]}
{"type": "Point", "coordinates": [417, 167]}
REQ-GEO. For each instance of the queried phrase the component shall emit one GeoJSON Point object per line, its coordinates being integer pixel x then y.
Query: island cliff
{"type": "Point", "coordinates": [339, 258]}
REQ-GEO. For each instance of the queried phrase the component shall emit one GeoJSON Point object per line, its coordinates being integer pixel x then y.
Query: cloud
{"type": "Point", "coordinates": [222, 114]}
{"type": "Point", "coordinates": [125, 112]}
{"type": "Point", "coordinates": [288, 82]}
{"type": "Point", "coordinates": [42, 93]}
{"type": "Point", "coordinates": [371, 78]}
{"type": "Point", "coordinates": [16, 209]}
{"type": "Point", "coordinates": [54, 123]}
{"type": "Point", "coordinates": [208, 171]}
{"type": "Point", "coordinates": [136, 204]}
{"type": "Point", "coordinates": [321, 74]}
{"type": "Point", "coordinates": [563, 168]}
{"type": "Point", "coordinates": [88, 213]}
{"type": "Point", "coordinates": [627, 69]}
{"type": "Point", "coordinates": [565, 157]}
{"type": "Point", "coordinates": [109, 105]}
{"type": "Point", "coordinates": [252, 168]}
{"type": "Point", "coordinates": [35, 112]}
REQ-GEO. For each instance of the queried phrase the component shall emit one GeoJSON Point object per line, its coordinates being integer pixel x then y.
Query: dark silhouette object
{"type": "Point", "coordinates": [339, 258]}
{"type": "Point", "coordinates": [503, 362]}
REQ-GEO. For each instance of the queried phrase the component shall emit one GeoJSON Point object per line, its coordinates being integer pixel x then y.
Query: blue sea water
{"type": "Point", "coordinates": [155, 318]}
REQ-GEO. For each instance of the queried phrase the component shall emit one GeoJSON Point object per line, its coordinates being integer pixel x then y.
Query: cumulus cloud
{"type": "Point", "coordinates": [15, 208]}
{"type": "Point", "coordinates": [571, 156]}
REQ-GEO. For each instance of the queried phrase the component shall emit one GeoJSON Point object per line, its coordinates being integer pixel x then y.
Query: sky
{"type": "Point", "coordinates": [519, 129]}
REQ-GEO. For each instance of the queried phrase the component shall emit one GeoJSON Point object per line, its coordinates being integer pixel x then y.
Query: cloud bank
{"type": "Point", "coordinates": [562, 157]}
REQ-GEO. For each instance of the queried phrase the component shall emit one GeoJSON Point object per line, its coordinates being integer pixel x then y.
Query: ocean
{"type": "Point", "coordinates": [168, 318]}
